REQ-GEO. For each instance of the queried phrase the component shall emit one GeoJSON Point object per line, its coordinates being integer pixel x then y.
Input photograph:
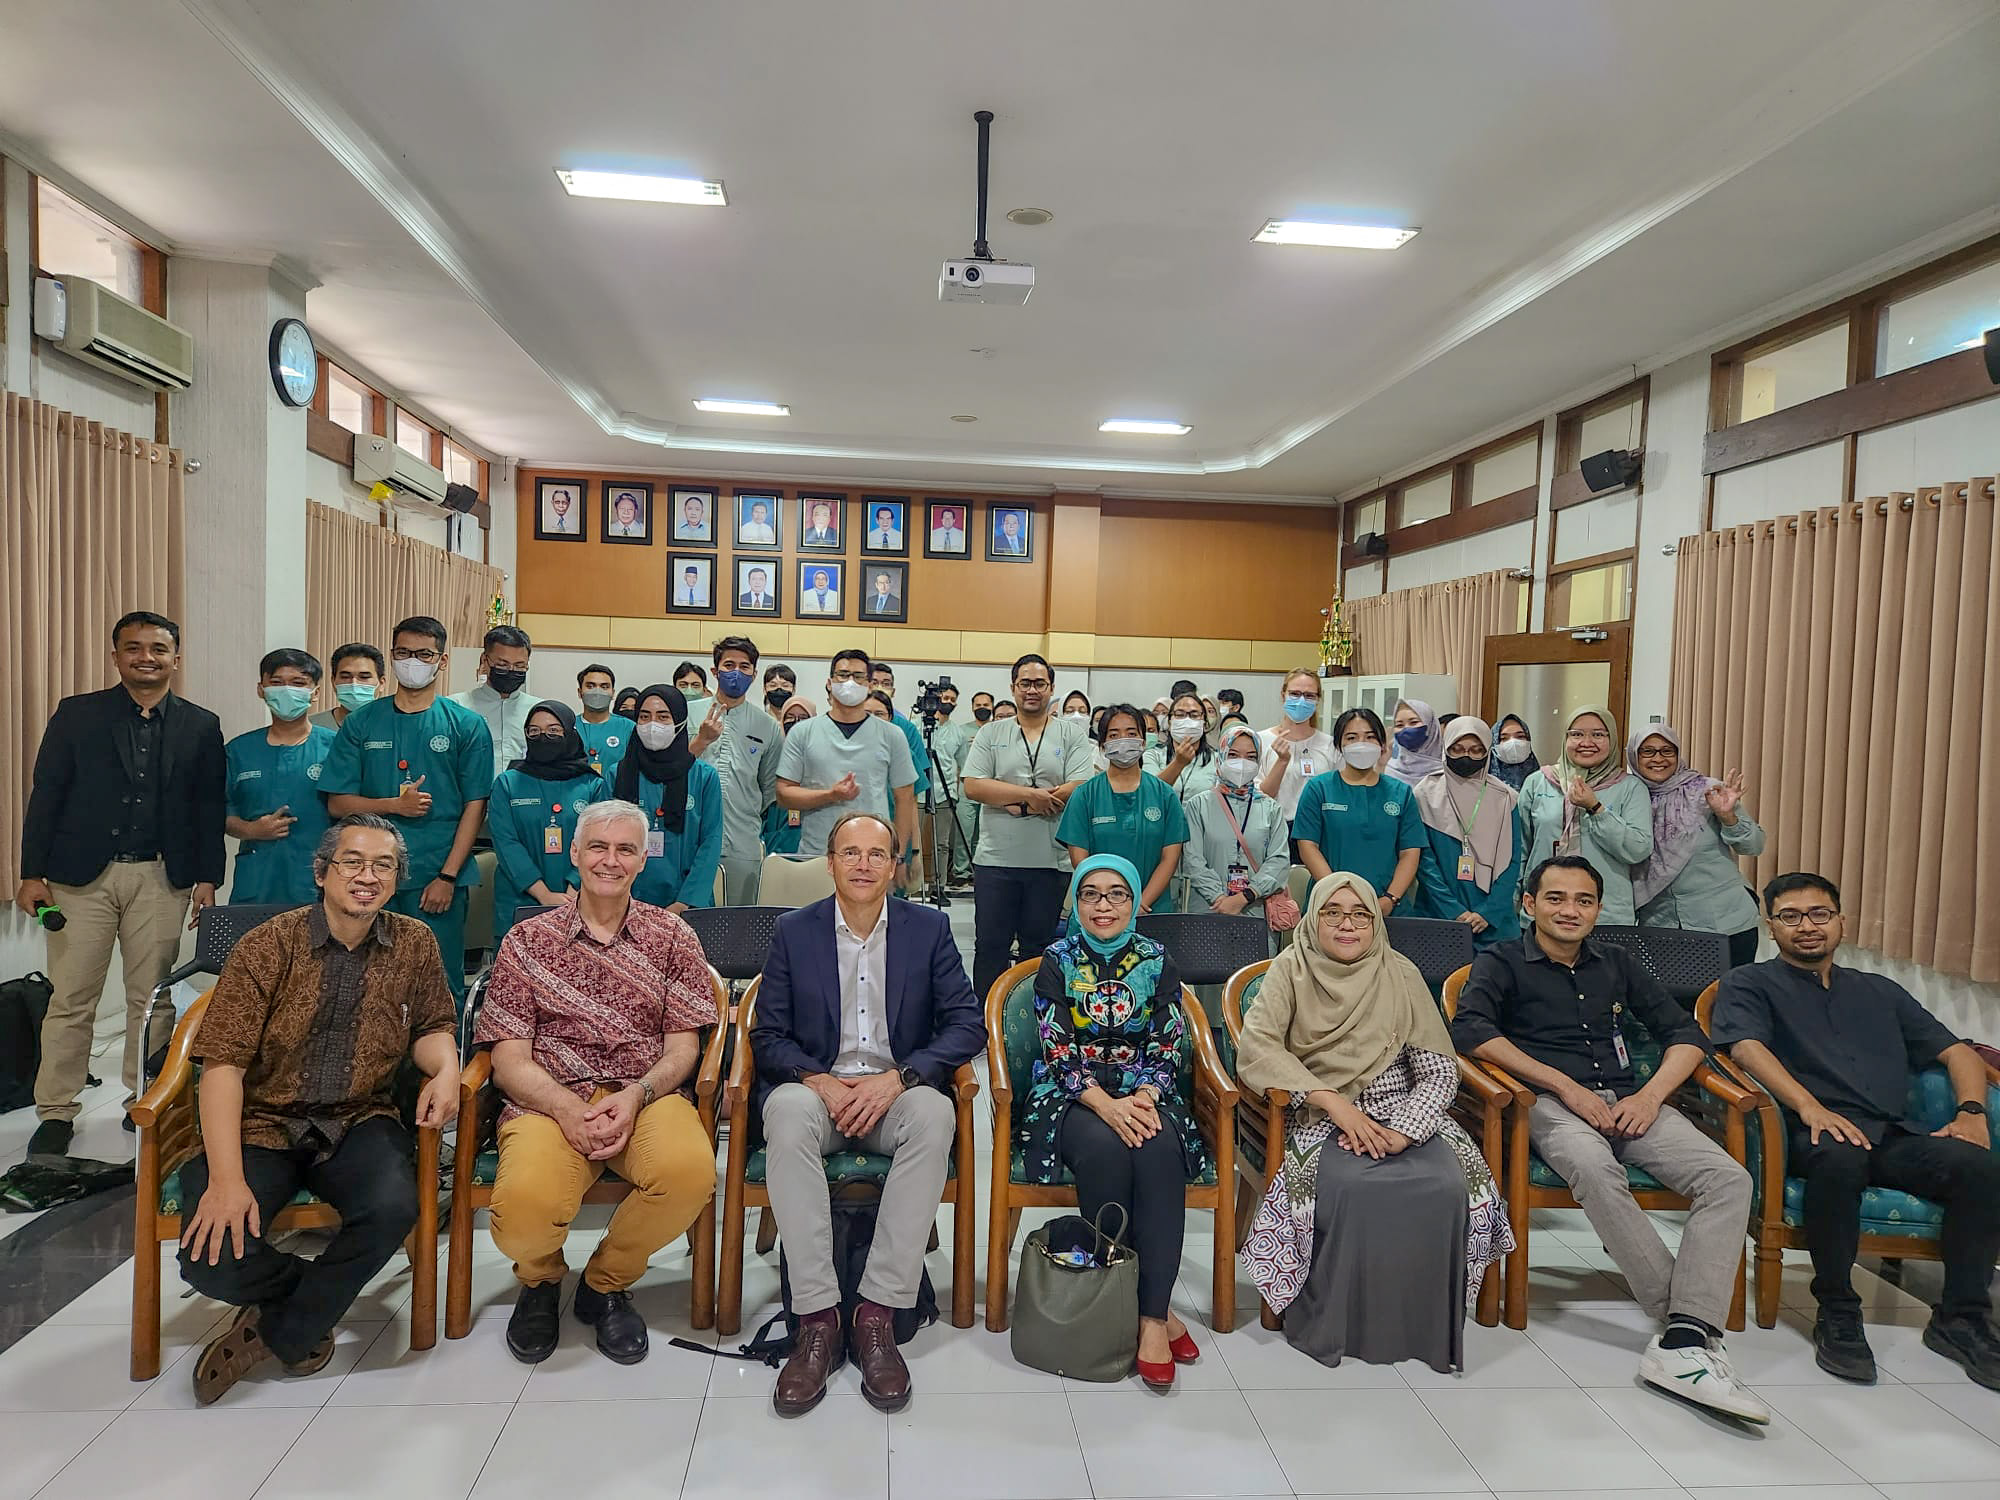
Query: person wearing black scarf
{"type": "Point", "coordinates": [627, 706]}
{"type": "Point", "coordinates": [553, 757]}
{"type": "Point", "coordinates": [532, 814]}
{"type": "Point", "coordinates": [682, 800]}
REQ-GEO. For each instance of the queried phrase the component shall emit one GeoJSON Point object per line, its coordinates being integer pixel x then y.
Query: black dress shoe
{"type": "Point", "coordinates": [1967, 1341]}
{"type": "Point", "coordinates": [49, 1145]}
{"type": "Point", "coordinates": [537, 1323]}
{"type": "Point", "coordinates": [621, 1332]}
{"type": "Point", "coordinates": [1841, 1348]}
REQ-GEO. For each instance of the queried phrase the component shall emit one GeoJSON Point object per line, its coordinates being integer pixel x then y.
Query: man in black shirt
{"type": "Point", "coordinates": [1836, 1048]}
{"type": "Point", "coordinates": [1552, 1010]}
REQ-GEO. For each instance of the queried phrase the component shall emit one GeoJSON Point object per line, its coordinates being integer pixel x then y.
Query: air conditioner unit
{"type": "Point", "coordinates": [82, 318]}
{"type": "Point", "coordinates": [379, 461]}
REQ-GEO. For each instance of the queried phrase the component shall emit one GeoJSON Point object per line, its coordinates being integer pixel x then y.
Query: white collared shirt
{"type": "Point", "coordinates": [864, 999]}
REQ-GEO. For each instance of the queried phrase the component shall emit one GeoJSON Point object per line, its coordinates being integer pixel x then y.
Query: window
{"type": "Point", "coordinates": [349, 403]}
{"type": "Point", "coordinates": [1426, 500]}
{"type": "Point", "coordinates": [1512, 468]}
{"type": "Point", "coordinates": [71, 240]}
{"type": "Point", "coordinates": [1800, 371]}
{"type": "Point", "coordinates": [1366, 516]}
{"type": "Point", "coordinates": [1614, 420]}
{"type": "Point", "coordinates": [1930, 324]}
{"type": "Point", "coordinates": [412, 436]}
{"type": "Point", "coordinates": [1598, 595]}
{"type": "Point", "coordinates": [461, 467]}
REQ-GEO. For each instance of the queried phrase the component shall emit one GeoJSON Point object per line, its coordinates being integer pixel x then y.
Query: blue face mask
{"type": "Point", "coordinates": [353, 695]}
{"type": "Point", "coordinates": [287, 702]}
{"type": "Point", "coordinates": [1298, 710]}
{"type": "Point", "coordinates": [1412, 738]}
{"type": "Point", "coordinates": [733, 684]}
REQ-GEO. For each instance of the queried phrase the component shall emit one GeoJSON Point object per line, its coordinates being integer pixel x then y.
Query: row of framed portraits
{"type": "Point", "coordinates": [822, 587]}
{"type": "Point", "coordinates": [757, 518]}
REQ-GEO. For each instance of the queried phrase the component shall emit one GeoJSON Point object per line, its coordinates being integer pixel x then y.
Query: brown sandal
{"type": "Point", "coordinates": [316, 1361]}
{"type": "Point", "coordinates": [229, 1358]}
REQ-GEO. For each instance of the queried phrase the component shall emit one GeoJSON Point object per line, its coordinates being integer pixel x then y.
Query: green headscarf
{"type": "Point", "coordinates": [1610, 771]}
{"type": "Point", "coordinates": [1126, 871]}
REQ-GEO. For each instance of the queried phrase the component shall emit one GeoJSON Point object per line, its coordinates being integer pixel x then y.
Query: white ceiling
{"type": "Point", "coordinates": [1594, 184]}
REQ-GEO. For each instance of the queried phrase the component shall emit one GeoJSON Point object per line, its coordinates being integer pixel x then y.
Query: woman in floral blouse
{"type": "Point", "coordinates": [1104, 1098]}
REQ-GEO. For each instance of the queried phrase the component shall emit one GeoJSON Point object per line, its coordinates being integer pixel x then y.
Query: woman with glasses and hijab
{"type": "Point", "coordinates": [1470, 868]}
{"type": "Point", "coordinates": [532, 814]}
{"type": "Point", "coordinates": [682, 800]}
{"type": "Point", "coordinates": [1700, 828]}
{"type": "Point", "coordinates": [1585, 804]}
{"type": "Point", "coordinates": [1383, 1218]}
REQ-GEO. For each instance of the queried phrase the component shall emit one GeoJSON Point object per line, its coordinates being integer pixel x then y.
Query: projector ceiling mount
{"type": "Point", "coordinates": [983, 118]}
{"type": "Point", "coordinates": [981, 277]}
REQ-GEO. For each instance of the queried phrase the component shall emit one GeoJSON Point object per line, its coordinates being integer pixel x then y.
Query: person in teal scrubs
{"type": "Point", "coordinates": [1353, 818]}
{"type": "Point", "coordinates": [605, 734]}
{"type": "Point", "coordinates": [682, 800]}
{"type": "Point", "coordinates": [533, 811]}
{"type": "Point", "coordinates": [781, 823]}
{"type": "Point", "coordinates": [1128, 811]}
{"type": "Point", "coordinates": [274, 809]}
{"type": "Point", "coordinates": [1470, 870]}
{"type": "Point", "coordinates": [426, 764]}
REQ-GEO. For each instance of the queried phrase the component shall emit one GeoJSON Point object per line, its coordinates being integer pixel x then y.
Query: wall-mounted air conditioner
{"type": "Point", "coordinates": [379, 461]}
{"type": "Point", "coordinates": [82, 318]}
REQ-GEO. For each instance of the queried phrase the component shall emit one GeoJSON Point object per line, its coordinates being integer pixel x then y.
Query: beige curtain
{"type": "Point", "coordinates": [91, 526]}
{"type": "Point", "coordinates": [361, 578]}
{"type": "Point", "coordinates": [1848, 660]}
{"type": "Point", "coordinates": [1436, 628]}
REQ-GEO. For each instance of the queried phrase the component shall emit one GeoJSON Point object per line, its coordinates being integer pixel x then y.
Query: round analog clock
{"type": "Point", "coordinates": [294, 362]}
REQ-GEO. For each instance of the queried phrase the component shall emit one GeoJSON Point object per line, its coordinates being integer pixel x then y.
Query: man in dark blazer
{"type": "Point", "coordinates": [123, 833]}
{"type": "Point", "coordinates": [863, 1015]}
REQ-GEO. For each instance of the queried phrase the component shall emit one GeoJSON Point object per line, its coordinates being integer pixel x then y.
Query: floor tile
{"type": "Point", "coordinates": [949, 1361]}
{"type": "Point", "coordinates": [1259, 1359]}
{"type": "Point", "coordinates": [268, 1385]}
{"type": "Point", "coordinates": [182, 1455]}
{"type": "Point", "coordinates": [1972, 1404]}
{"type": "Point", "coordinates": [1675, 1493]}
{"type": "Point", "coordinates": [1961, 1489]}
{"type": "Point", "coordinates": [473, 1370]}
{"type": "Point", "coordinates": [1479, 1494]}
{"type": "Point", "coordinates": [1522, 1440]}
{"type": "Point", "coordinates": [433, 1451]}
{"type": "Point", "coordinates": [1594, 1346]}
{"type": "Point", "coordinates": [635, 1448]}
{"type": "Point", "coordinates": [577, 1372]}
{"type": "Point", "coordinates": [1698, 1447]}
{"type": "Point", "coordinates": [1362, 1440]}
{"type": "Point", "coordinates": [38, 1444]}
{"type": "Point", "coordinates": [1900, 1353]}
{"type": "Point", "coordinates": [109, 1303]}
{"type": "Point", "coordinates": [1792, 1492]}
{"type": "Point", "coordinates": [82, 1367]}
{"type": "Point", "coordinates": [836, 1451]}
{"type": "Point", "coordinates": [1190, 1443]}
{"type": "Point", "coordinates": [929, 1452]}
{"type": "Point", "coordinates": [1493, 1357]}
{"type": "Point", "coordinates": [1891, 1433]}
{"type": "Point", "coordinates": [1780, 1356]}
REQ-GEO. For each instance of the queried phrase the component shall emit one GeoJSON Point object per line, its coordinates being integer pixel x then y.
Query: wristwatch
{"type": "Point", "coordinates": [911, 1077]}
{"type": "Point", "coordinates": [645, 1092]}
{"type": "Point", "coordinates": [1972, 1107]}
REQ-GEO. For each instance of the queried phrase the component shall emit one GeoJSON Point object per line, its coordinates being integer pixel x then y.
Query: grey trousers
{"type": "Point", "coordinates": [740, 877]}
{"type": "Point", "coordinates": [1699, 1282]}
{"type": "Point", "coordinates": [917, 1132]}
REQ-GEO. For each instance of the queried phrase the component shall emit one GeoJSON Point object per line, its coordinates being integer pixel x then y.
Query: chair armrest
{"type": "Point", "coordinates": [708, 1076]}
{"type": "Point", "coordinates": [475, 1075]}
{"type": "Point", "coordinates": [1209, 1076]}
{"type": "Point", "coordinates": [1523, 1095]}
{"type": "Point", "coordinates": [1744, 1100]}
{"type": "Point", "coordinates": [742, 1074]}
{"type": "Point", "coordinates": [430, 1144]}
{"type": "Point", "coordinates": [964, 1084]}
{"type": "Point", "coordinates": [145, 1110]}
{"type": "Point", "coordinates": [1478, 1080]}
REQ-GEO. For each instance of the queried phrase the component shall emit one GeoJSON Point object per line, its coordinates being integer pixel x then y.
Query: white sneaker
{"type": "Point", "coordinates": [1702, 1375]}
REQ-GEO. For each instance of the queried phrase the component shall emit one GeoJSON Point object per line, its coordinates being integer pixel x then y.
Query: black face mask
{"type": "Point", "coordinates": [542, 749]}
{"type": "Point", "coordinates": [506, 681]}
{"type": "Point", "coordinates": [982, 714]}
{"type": "Point", "coordinates": [1465, 765]}
{"type": "Point", "coordinates": [945, 708]}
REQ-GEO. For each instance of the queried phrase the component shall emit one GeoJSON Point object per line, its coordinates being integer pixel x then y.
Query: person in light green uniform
{"type": "Point", "coordinates": [1185, 762]}
{"type": "Point", "coordinates": [274, 806]}
{"type": "Point", "coordinates": [1237, 851]}
{"type": "Point", "coordinates": [426, 763]}
{"type": "Point", "coordinates": [1700, 830]}
{"type": "Point", "coordinates": [1470, 868]}
{"type": "Point", "coordinates": [533, 811]}
{"type": "Point", "coordinates": [1354, 818]}
{"type": "Point", "coordinates": [1129, 812]}
{"type": "Point", "coordinates": [781, 823]}
{"type": "Point", "coordinates": [845, 761]}
{"type": "Point", "coordinates": [682, 800]}
{"type": "Point", "coordinates": [741, 742]}
{"type": "Point", "coordinates": [1586, 804]}
{"type": "Point", "coordinates": [951, 740]}
{"type": "Point", "coordinates": [604, 733]}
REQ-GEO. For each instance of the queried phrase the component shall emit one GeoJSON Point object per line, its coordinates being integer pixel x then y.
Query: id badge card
{"type": "Point", "coordinates": [552, 842]}
{"type": "Point", "coordinates": [1465, 867]}
{"type": "Point", "coordinates": [1239, 880]}
{"type": "Point", "coordinates": [656, 843]}
{"type": "Point", "coordinates": [1306, 767]}
{"type": "Point", "coordinates": [1618, 1046]}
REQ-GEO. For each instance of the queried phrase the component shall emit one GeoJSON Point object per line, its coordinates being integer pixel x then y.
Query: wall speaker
{"type": "Point", "coordinates": [460, 498]}
{"type": "Point", "coordinates": [1612, 469]}
{"type": "Point", "coordinates": [1372, 544]}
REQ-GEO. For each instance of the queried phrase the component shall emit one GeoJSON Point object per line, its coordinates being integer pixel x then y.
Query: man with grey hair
{"type": "Point", "coordinates": [306, 1026]}
{"type": "Point", "coordinates": [593, 1011]}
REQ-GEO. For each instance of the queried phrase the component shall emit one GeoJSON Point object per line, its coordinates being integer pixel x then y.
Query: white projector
{"type": "Point", "coordinates": [998, 283]}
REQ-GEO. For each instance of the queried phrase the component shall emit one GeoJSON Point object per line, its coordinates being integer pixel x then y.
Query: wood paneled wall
{"type": "Point", "coordinates": [1228, 572]}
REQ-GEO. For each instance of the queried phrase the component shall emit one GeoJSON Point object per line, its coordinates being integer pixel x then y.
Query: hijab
{"type": "Point", "coordinates": [1351, 1020]}
{"type": "Point", "coordinates": [1680, 815]}
{"type": "Point", "coordinates": [1565, 770]}
{"type": "Point", "coordinates": [628, 704]}
{"type": "Point", "coordinates": [1230, 735]}
{"type": "Point", "coordinates": [575, 758]}
{"type": "Point", "coordinates": [1516, 774]}
{"type": "Point", "coordinates": [1126, 871]}
{"type": "Point", "coordinates": [667, 769]}
{"type": "Point", "coordinates": [1476, 810]}
{"type": "Point", "coordinates": [1412, 766]}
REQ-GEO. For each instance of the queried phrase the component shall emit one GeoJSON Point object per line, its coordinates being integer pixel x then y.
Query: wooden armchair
{"type": "Point", "coordinates": [744, 1187]}
{"type": "Point", "coordinates": [169, 1126]}
{"type": "Point", "coordinates": [1013, 1042]}
{"type": "Point", "coordinates": [1720, 1106]}
{"type": "Point", "coordinates": [1481, 1109]}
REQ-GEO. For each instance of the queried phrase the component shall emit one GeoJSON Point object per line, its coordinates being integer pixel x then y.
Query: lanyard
{"type": "Point", "coordinates": [1035, 754]}
{"type": "Point", "coordinates": [1242, 824]}
{"type": "Point", "coordinates": [1465, 832]}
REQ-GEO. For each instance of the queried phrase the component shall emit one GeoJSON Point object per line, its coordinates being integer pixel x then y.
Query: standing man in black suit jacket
{"type": "Point", "coordinates": [863, 1015]}
{"type": "Point", "coordinates": [124, 833]}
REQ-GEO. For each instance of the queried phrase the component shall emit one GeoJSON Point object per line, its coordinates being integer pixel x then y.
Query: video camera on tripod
{"type": "Point", "coordinates": [929, 707]}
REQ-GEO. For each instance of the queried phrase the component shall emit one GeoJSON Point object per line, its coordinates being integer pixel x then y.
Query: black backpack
{"type": "Point", "coordinates": [853, 1234]}
{"type": "Point", "coordinates": [24, 1003]}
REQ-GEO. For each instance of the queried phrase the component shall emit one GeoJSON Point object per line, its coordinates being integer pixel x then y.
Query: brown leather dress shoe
{"type": "Point", "coordinates": [885, 1379]}
{"type": "Point", "coordinates": [802, 1383]}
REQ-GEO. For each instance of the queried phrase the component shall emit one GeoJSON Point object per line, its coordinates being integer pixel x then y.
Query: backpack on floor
{"type": "Point", "coordinates": [24, 1003]}
{"type": "Point", "coordinates": [853, 1234]}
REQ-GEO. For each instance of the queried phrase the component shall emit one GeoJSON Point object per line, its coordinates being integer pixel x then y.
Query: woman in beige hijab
{"type": "Point", "coordinates": [1375, 1247]}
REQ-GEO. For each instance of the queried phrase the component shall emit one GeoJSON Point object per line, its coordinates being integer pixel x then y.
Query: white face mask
{"type": "Point", "coordinates": [1236, 771]}
{"type": "Point", "coordinates": [1513, 752]}
{"type": "Point", "coordinates": [1185, 728]}
{"type": "Point", "coordinates": [656, 736]}
{"type": "Point", "coordinates": [1124, 752]}
{"type": "Point", "coordinates": [1363, 755]}
{"type": "Point", "coordinates": [413, 674]}
{"type": "Point", "coordinates": [850, 694]}
{"type": "Point", "coordinates": [1077, 716]}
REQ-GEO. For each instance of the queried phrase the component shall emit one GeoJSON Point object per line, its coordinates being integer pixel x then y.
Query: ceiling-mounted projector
{"type": "Point", "coordinates": [1001, 283]}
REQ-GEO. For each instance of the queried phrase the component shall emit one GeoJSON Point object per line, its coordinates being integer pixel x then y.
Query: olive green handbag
{"type": "Point", "coordinates": [1076, 1300]}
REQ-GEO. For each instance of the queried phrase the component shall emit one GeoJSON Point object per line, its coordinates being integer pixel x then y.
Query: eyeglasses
{"type": "Point", "coordinates": [1357, 920]}
{"type": "Point", "coordinates": [1037, 683]}
{"type": "Point", "coordinates": [873, 858]}
{"type": "Point", "coordinates": [1819, 916]}
{"type": "Point", "coordinates": [548, 736]}
{"type": "Point", "coordinates": [850, 676]}
{"type": "Point", "coordinates": [1648, 753]}
{"type": "Point", "coordinates": [1119, 897]}
{"type": "Point", "coordinates": [1590, 736]}
{"type": "Point", "coordinates": [400, 653]}
{"type": "Point", "coordinates": [351, 865]}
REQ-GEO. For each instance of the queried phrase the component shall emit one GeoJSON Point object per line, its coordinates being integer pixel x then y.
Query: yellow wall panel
{"type": "Point", "coordinates": [996, 645]}
{"type": "Point", "coordinates": [1072, 649]}
{"type": "Point", "coordinates": [895, 641]}
{"type": "Point", "coordinates": [1282, 656]}
{"type": "Point", "coordinates": [630, 633]}
{"type": "Point", "coordinates": [1214, 656]}
{"type": "Point", "coordinates": [566, 630]}
{"type": "Point", "coordinates": [1134, 651]}
{"type": "Point", "coordinates": [824, 640]}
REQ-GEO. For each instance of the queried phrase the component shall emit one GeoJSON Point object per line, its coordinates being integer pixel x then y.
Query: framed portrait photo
{"type": "Point", "coordinates": [628, 513]}
{"type": "Point", "coordinates": [690, 584]}
{"type": "Point", "coordinates": [822, 523]}
{"type": "Point", "coordinates": [819, 596]}
{"type": "Point", "coordinates": [758, 582]}
{"type": "Point", "coordinates": [693, 517]}
{"type": "Point", "coordinates": [1010, 533]}
{"type": "Point", "coordinates": [948, 529]}
{"type": "Point", "coordinates": [759, 518]}
{"type": "Point", "coordinates": [561, 509]}
{"type": "Point", "coordinates": [885, 592]}
{"type": "Point", "coordinates": [883, 533]}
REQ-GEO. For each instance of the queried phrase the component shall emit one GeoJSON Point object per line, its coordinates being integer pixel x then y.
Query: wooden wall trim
{"type": "Point", "coordinates": [329, 440]}
{"type": "Point", "coordinates": [1506, 510]}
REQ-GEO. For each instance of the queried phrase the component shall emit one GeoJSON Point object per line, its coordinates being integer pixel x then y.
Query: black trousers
{"type": "Point", "coordinates": [1149, 1182]}
{"type": "Point", "coordinates": [368, 1179]}
{"type": "Point", "coordinates": [1743, 947]}
{"type": "Point", "coordinates": [1954, 1173]}
{"type": "Point", "coordinates": [1011, 907]}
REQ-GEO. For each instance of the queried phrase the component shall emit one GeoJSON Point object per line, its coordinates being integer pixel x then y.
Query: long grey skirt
{"type": "Point", "coordinates": [1387, 1281]}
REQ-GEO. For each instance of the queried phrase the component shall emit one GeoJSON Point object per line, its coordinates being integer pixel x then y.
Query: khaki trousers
{"type": "Point", "coordinates": [135, 907]}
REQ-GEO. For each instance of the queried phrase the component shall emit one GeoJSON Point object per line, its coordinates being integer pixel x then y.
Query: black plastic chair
{"type": "Point", "coordinates": [735, 939]}
{"type": "Point", "coordinates": [1685, 963]}
{"type": "Point", "coordinates": [216, 931]}
{"type": "Point", "coordinates": [1206, 947]}
{"type": "Point", "coordinates": [1438, 949]}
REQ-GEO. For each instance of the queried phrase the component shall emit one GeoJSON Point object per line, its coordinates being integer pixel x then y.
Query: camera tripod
{"type": "Point", "coordinates": [938, 798]}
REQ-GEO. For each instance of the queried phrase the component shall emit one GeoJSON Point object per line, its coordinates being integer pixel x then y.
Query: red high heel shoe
{"type": "Point", "coordinates": [1186, 1350]}
{"type": "Point", "coordinates": [1158, 1377]}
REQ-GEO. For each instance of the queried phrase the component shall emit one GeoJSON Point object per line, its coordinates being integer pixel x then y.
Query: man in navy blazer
{"type": "Point", "coordinates": [863, 1015]}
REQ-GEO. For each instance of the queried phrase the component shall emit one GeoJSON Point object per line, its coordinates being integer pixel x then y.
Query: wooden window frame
{"type": "Point", "coordinates": [1556, 574]}
{"type": "Point", "coordinates": [1464, 518]}
{"type": "Point", "coordinates": [152, 259]}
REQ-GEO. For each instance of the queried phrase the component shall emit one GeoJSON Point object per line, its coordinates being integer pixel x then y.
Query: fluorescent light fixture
{"type": "Point", "coordinates": [1972, 343]}
{"type": "Point", "coordinates": [1144, 426]}
{"type": "Point", "coordinates": [741, 408]}
{"type": "Point", "coordinates": [1339, 236]}
{"type": "Point", "coordinates": [640, 188]}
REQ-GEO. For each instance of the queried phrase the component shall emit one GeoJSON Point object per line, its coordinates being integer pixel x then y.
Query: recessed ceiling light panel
{"type": "Point", "coordinates": [1028, 217]}
{"type": "Point", "coordinates": [640, 188]}
{"type": "Point", "coordinates": [741, 408]}
{"type": "Point", "coordinates": [964, 417]}
{"type": "Point", "coordinates": [1336, 236]}
{"type": "Point", "coordinates": [1144, 426]}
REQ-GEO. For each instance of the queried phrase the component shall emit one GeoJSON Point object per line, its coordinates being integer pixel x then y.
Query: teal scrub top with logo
{"type": "Point", "coordinates": [1138, 824]}
{"type": "Point", "coordinates": [264, 777]}
{"type": "Point", "coordinates": [448, 745]}
{"type": "Point", "coordinates": [1359, 829]}
{"type": "Point", "coordinates": [684, 869]}
{"type": "Point", "coordinates": [520, 814]}
{"type": "Point", "coordinates": [606, 742]}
